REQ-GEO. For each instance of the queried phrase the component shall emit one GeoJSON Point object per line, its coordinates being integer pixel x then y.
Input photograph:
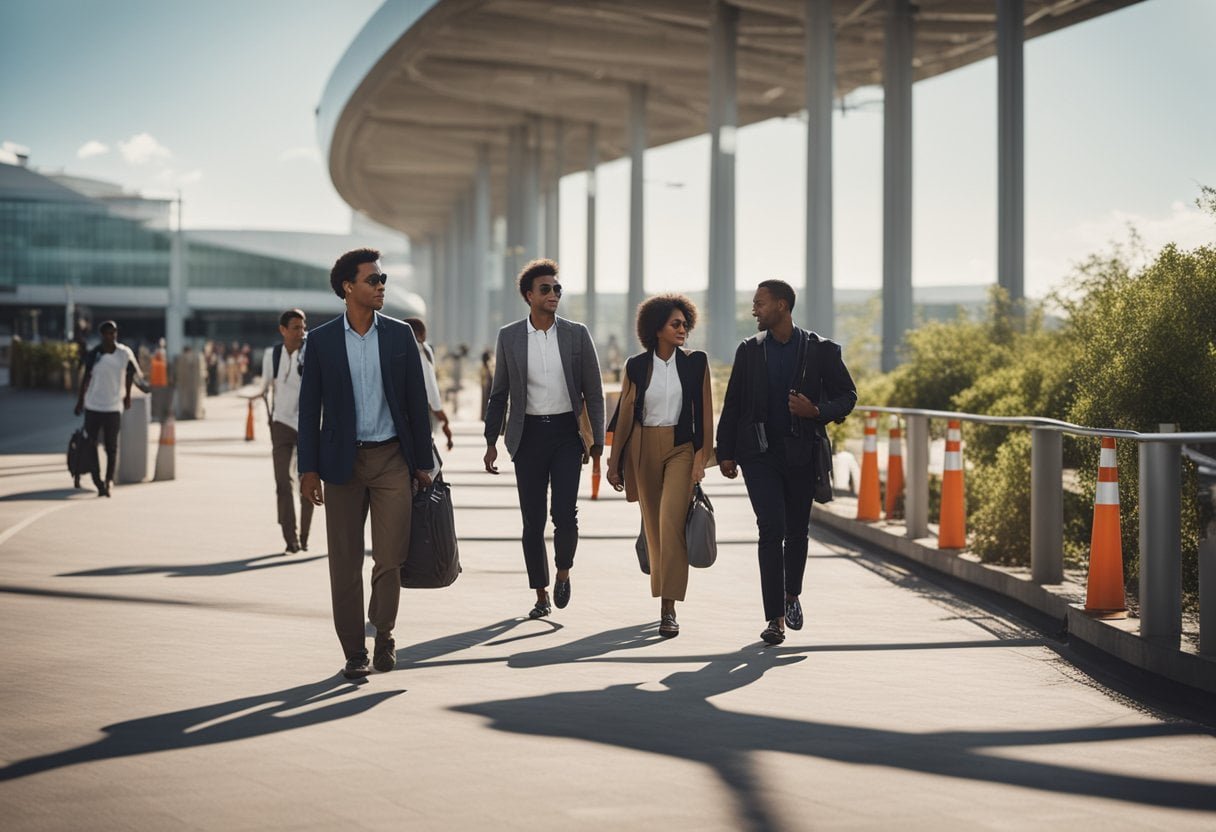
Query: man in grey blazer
{"type": "Point", "coordinates": [548, 398]}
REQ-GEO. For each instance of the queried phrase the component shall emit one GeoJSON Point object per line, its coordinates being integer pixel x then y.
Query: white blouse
{"type": "Point", "coordinates": [664, 396]}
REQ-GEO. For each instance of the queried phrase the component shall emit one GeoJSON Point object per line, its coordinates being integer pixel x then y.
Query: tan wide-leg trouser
{"type": "Point", "coordinates": [664, 491]}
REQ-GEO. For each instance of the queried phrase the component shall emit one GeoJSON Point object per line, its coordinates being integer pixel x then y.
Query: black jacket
{"type": "Point", "coordinates": [820, 375]}
{"type": "Point", "coordinates": [691, 367]}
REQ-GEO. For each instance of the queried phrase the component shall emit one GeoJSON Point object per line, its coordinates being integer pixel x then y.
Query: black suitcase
{"type": "Point", "coordinates": [78, 454]}
{"type": "Point", "coordinates": [434, 558]}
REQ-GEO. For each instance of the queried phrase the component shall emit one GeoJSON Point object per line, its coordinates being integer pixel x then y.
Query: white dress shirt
{"type": "Point", "coordinates": [664, 396]}
{"type": "Point", "coordinates": [547, 391]}
{"type": "Point", "coordinates": [285, 405]}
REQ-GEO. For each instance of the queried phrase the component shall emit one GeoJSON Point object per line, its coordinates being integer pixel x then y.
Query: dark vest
{"type": "Point", "coordinates": [691, 368]}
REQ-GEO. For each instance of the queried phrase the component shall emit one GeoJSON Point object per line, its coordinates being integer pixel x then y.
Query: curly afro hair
{"type": "Point", "coordinates": [347, 266]}
{"type": "Point", "coordinates": [655, 312]}
{"type": "Point", "coordinates": [532, 270]}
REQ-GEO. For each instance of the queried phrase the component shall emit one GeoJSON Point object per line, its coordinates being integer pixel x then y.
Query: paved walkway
{"type": "Point", "coordinates": [166, 668]}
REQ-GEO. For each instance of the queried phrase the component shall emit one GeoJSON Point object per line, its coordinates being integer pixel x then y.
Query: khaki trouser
{"type": "Point", "coordinates": [664, 491]}
{"type": "Point", "coordinates": [283, 443]}
{"type": "Point", "coordinates": [380, 482]}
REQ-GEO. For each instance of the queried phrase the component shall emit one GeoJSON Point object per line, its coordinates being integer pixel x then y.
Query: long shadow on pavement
{"type": "Point", "coordinates": [225, 722]}
{"type": "Point", "coordinates": [681, 722]}
{"type": "Point", "coordinates": [199, 570]}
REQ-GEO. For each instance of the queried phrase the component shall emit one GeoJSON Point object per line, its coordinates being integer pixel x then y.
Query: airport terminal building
{"type": "Point", "coordinates": [74, 248]}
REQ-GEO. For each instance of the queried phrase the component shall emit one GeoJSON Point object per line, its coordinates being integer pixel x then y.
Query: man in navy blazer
{"type": "Point", "coordinates": [365, 431]}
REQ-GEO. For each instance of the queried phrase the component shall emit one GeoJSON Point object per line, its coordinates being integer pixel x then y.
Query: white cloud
{"type": "Point", "coordinates": [92, 148]}
{"type": "Point", "coordinates": [9, 151]}
{"type": "Point", "coordinates": [1058, 252]}
{"type": "Point", "coordinates": [143, 148]}
{"type": "Point", "coordinates": [307, 153]}
{"type": "Point", "coordinates": [175, 179]}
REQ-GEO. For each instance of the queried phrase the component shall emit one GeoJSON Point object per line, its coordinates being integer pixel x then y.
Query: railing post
{"type": "Point", "coordinates": [1161, 540]}
{"type": "Point", "coordinates": [1046, 506]}
{"type": "Point", "coordinates": [916, 481]}
{"type": "Point", "coordinates": [1207, 590]}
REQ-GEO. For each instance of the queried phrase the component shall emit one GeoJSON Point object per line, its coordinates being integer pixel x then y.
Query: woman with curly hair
{"type": "Point", "coordinates": [663, 440]}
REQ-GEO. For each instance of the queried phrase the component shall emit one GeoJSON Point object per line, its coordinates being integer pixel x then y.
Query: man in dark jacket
{"type": "Point", "coordinates": [365, 430]}
{"type": "Point", "coordinates": [785, 386]}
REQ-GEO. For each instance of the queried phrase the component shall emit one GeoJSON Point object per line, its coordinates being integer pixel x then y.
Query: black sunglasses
{"type": "Point", "coordinates": [679, 324]}
{"type": "Point", "coordinates": [545, 288]}
{"type": "Point", "coordinates": [377, 279]}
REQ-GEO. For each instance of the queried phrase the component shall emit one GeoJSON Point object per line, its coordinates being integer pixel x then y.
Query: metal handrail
{"type": "Point", "coordinates": [1159, 473]}
{"type": "Point", "coordinates": [1041, 423]}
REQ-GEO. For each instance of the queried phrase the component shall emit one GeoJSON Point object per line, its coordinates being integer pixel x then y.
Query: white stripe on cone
{"type": "Point", "coordinates": [954, 461]}
{"type": "Point", "coordinates": [954, 435]}
{"type": "Point", "coordinates": [1107, 458]}
{"type": "Point", "coordinates": [1107, 494]}
{"type": "Point", "coordinates": [870, 444]}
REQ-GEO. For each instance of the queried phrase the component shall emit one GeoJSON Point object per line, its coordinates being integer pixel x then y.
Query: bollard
{"type": "Point", "coordinates": [166, 461]}
{"type": "Point", "coordinates": [133, 443]}
{"type": "Point", "coordinates": [249, 423]}
{"type": "Point", "coordinates": [1161, 540]}
{"type": "Point", "coordinates": [1046, 506]}
{"type": "Point", "coordinates": [916, 480]}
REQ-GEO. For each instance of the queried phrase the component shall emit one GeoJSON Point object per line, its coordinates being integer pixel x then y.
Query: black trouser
{"type": "Point", "coordinates": [550, 456]}
{"type": "Point", "coordinates": [95, 423]}
{"type": "Point", "coordinates": [781, 497]}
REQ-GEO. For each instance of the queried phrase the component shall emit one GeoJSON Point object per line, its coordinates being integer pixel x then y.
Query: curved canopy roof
{"type": "Point", "coordinates": [427, 81]}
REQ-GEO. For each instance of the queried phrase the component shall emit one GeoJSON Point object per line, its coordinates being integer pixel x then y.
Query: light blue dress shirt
{"type": "Point", "coordinates": [373, 419]}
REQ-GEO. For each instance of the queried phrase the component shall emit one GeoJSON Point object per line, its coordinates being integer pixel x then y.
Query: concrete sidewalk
{"type": "Point", "coordinates": [166, 668]}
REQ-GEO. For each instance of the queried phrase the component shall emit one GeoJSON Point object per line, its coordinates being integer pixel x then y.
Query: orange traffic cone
{"type": "Point", "coordinates": [869, 504]}
{"type": "Point", "coordinates": [166, 468]}
{"type": "Point", "coordinates": [249, 423]}
{"type": "Point", "coordinates": [952, 525]}
{"type": "Point", "coordinates": [895, 471]}
{"type": "Point", "coordinates": [595, 478]}
{"type": "Point", "coordinates": [1104, 590]}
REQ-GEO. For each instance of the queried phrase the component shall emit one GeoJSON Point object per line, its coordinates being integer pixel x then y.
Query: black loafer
{"type": "Point", "coordinates": [561, 593]}
{"type": "Point", "coordinates": [772, 633]}
{"type": "Point", "coordinates": [668, 627]}
{"type": "Point", "coordinates": [385, 657]}
{"type": "Point", "coordinates": [541, 610]}
{"type": "Point", "coordinates": [356, 666]}
{"type": "Point", "coordinates": [793, 614]}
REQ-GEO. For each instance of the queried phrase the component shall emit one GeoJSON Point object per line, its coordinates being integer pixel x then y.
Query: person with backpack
{"type": "Point", "coordinates": [785, 386]}
{"type": "Point", "coordinates": [103, 398]}
{"type": "Point", "coordinates": [282, 370]}
{"type": "Point", "coordinates": [661, 441]}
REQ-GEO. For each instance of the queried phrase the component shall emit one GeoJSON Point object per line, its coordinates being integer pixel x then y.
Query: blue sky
{"type": "Point", "coordinates": [217, 99]}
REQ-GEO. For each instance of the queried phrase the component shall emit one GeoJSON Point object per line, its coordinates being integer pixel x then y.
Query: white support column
{"type": "Point", "coordinates": [451, 285]}
{"type": "Point", "coordinates": [553, 196]}
{"type": "Point", "coordinates": [637, 227]}
{"type": "Point", "coordinates": [531, 191]}
{"type": "Point", "coordinates": [512, 254]}
{"type": "Point", "coordinates": [176, 312]}
{"type": "Point", "coordinates": [1011, 211]}
{"type": "Point", "coordinates": [723, 121]}
{"type": "Point", "coordinates": [897, 182]}
{"type": "Point", "coordinates": [465, 324]}
{"type": "Point", "coordinates": [593, 160]}
{"type": "Point", "coordinates": [480, 283]}
{"type": "Point", "coordinates": [820, 92]}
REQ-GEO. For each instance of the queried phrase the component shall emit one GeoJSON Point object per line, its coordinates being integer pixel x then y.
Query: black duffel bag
{"type": "Point", "coordinates": [434, 558]}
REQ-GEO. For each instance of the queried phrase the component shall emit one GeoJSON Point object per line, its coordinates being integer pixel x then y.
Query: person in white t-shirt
{"type": "Point", "coordinates": [103, 398]}
{"type": "Point", "coordinates": [282, 369]}
{"type": "Point", "coordinates": [433, 399]}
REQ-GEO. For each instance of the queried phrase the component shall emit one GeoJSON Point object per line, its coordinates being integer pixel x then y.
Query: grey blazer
{"type": "Point", "coordinates": [509, 392]}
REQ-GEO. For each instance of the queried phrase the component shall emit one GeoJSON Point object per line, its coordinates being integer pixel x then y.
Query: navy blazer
{"type": "Point", "coordinates": [326, 441]}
